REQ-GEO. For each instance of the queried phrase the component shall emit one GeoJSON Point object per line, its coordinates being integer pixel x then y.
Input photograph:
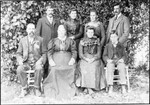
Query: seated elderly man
{"type": "Point", "coordinates": [114, 55]}
{"type": "Point", "coordinates": [29, 53]}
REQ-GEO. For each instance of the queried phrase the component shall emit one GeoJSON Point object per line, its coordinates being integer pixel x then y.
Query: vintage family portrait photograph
{"type": "Point", "coordinates": [75, 51]}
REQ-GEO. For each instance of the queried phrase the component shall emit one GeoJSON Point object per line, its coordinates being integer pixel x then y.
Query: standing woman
{"type": "Point", "coordinates": [74, 27]}
{"type": "Point", "coordinates": [99, 29]}
{"type": "Point", "coordinates": [62, 55]}
{"type": "Point", "coordinates": [90, 64]}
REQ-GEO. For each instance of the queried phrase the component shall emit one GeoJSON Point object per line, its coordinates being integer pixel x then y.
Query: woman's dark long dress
{"type": "Point", "coordinates": [60, 82]}
{"type": "Point", "coordinates": [91, 73]}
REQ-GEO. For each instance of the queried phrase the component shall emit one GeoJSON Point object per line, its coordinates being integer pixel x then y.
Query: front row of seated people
{"type": "Point", "coordinates": [62, 81]}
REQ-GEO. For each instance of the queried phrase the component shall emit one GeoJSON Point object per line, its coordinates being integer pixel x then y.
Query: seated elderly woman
{"type": "Point", "coordinates": [62, 56]}
{"type": "Point", "coordinates": [90, 64]}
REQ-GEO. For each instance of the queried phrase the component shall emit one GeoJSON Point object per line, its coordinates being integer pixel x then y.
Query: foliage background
{"type": "Point", "coordinates": [15, 15]}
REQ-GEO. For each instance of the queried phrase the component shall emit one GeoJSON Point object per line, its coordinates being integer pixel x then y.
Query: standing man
{"type": "Point", "coordinates": [30, 54]}
{"type": "Point", "coordinates": [120, 24]}
{"type": "Point", "coordinates": [47, 28]}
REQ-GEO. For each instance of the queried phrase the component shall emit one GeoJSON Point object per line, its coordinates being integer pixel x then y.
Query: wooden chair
{"type": "Point", "coordinates": [30, 77]}
{"type": "Point", "coordinates": [116, 78]}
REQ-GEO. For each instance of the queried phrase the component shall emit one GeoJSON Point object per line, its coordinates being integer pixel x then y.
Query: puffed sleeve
{"type": "Point", "coordinates": [81, 55]}
{"type": "Point", "coordinates": [73, 49]}
{"type": "Point", "coordinates": [85, 27]}
{"type": "Point", "coordinates": [80, 33]}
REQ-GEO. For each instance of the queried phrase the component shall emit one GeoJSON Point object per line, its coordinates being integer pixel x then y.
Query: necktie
{"type": "Point", "coordinates": [114, 23]}
{"type": "Point", "coordinates": [50, 20]}
{"type": "Point", "coordinates": [31, 41]}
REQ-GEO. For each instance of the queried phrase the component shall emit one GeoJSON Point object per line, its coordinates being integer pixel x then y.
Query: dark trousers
{"type": "Point", "coordinates": [22, 75]}
{"type": "Point", "coordinates": [46, 69]}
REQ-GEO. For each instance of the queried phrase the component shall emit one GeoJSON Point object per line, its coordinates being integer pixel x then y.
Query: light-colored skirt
{"type": "Point", "coordinates": [92, 74]}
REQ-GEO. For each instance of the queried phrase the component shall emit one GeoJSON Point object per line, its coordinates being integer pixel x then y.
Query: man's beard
{"type": "Point", "coordinates": [31, 34]}
{"type": "Point", "coordinates": [50, 15]}
{"type": "Point", "coordinates": [114, 43]}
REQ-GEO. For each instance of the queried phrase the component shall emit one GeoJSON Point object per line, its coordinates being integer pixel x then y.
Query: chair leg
{"type": "Point", "coordinates": [106, 89]}
{"type": "Point", "coordinates": [128, 82]}
{"type": "Point", "coordinates": [29, 78]}
{"type": "Point", "coordinates": [106, 78]}
{"type": "Point", "coordinates": [42, 90]}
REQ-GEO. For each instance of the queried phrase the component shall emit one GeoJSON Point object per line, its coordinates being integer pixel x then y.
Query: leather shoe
{"type": "Point", "coordinates": [123, 89]}
{"type": "Point", "coordinates": [37, 92]}
{"type": "Point", "coordinates": [110, 91]}
{"type": "Point", "coordinates": [23, 92]}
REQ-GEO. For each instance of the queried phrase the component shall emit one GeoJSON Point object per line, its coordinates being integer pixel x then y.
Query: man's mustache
{"type": "Point", "coordinates": [50, 13]}
{"type": "Point", "coordinates": [31, 33]}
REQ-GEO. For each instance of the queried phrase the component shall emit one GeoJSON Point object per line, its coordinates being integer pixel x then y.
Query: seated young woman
{"type": "Point", "coordinates": [62, 55]}
{"type": "Point", "coordinates": [90, 67]}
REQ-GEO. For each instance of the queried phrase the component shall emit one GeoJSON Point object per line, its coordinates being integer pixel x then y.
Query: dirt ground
{"type": "Point", "coordinates": [139, 94]}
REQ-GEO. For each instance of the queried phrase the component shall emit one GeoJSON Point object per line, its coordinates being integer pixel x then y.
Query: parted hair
{"type": "Point", "coordinates": [93, 10]}
{"type": "Point", "coordinates": [90, 28]}
{"type": "Point", "coordinates": [117, 3]}
{"type": "Point", "coordinates": [73, 9]}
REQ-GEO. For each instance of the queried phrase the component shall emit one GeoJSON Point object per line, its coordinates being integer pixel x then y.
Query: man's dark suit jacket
{"type": "Point", "coordinates": [46, 30]}
{"type": "Point", "coordinates": [109, 52]}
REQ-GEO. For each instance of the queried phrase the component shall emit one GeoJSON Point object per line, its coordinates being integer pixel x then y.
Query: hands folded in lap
{"type": "Point", "coordinates": [71, 62]}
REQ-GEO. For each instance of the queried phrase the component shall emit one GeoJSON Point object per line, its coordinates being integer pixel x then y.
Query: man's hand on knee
{"type": "Point", "coordinates": [20, 63]}
{"type": "Point", "coordinates": [109, 61]}
{"type": "Point", "coordinates": [120, 61]}
{"type": "Point", "coordinates": [39, 63]}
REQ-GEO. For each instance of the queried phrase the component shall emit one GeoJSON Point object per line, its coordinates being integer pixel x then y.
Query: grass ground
{"type": "Point", "coordinates": [139, 94]}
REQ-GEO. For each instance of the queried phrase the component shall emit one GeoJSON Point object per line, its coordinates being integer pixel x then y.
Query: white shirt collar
{"type": "Point", "coordinates": [62, 39]}
{"type": "Point", "coordinates": [31, 39]}
{"type": "Point", "coordinates": [50, 19]}
{"type": "Point", "coordinates": [115, 44]}
{"type": "Point", "coordinates": [119, 15]}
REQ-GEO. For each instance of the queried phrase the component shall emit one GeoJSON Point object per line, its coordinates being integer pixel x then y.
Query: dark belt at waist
{"type": "Point", "coordinates": [62, 52]}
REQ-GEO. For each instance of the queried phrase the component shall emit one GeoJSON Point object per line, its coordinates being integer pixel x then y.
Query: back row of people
{"type": "Point", "coordinates": [65, 67]}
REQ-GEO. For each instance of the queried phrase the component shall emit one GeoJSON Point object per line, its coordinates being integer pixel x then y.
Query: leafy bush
{"type": "Point", "coordinates": [15, 15]}
{"type": "Point", "coordinates": [140, 35]}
